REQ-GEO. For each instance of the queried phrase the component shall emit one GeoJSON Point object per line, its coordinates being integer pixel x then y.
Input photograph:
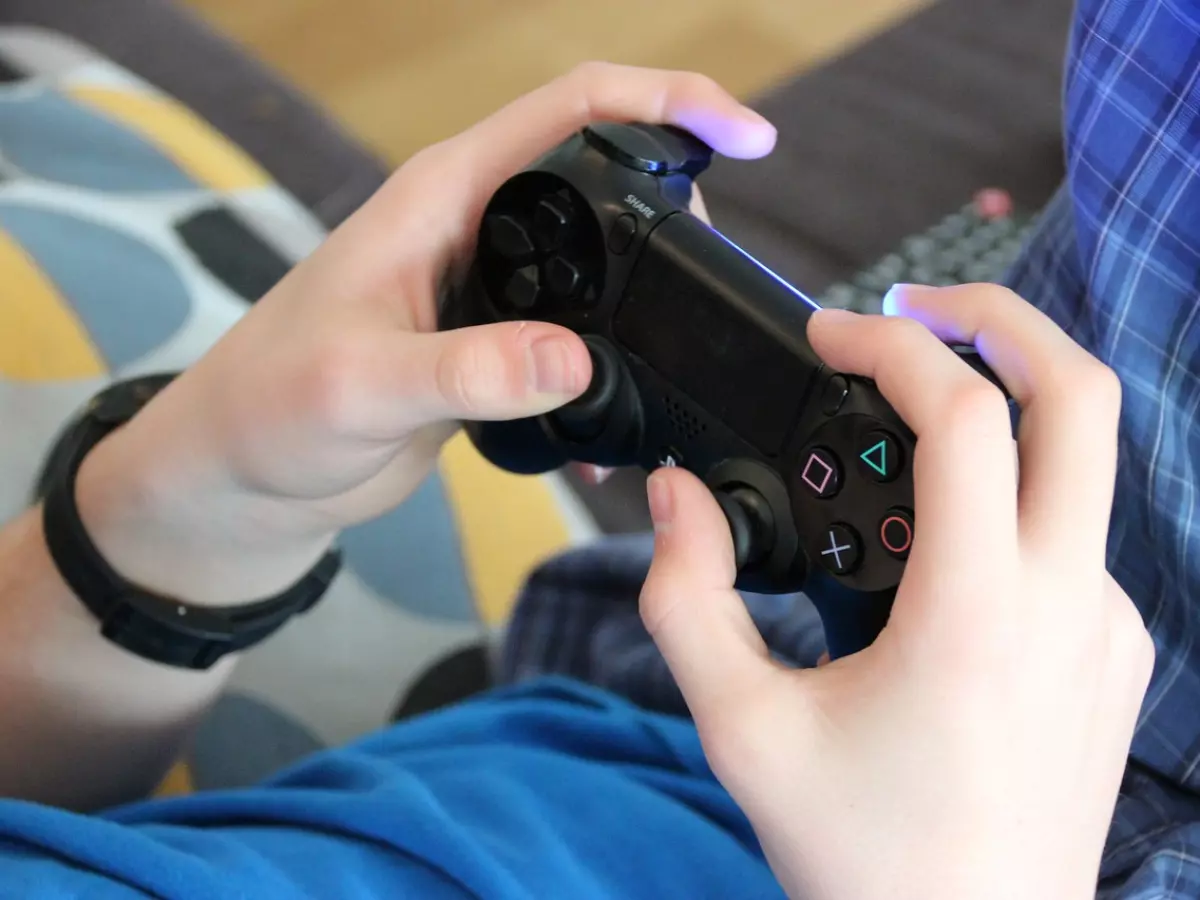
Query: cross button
{"type": "Point", "coordinates": [841, 549]}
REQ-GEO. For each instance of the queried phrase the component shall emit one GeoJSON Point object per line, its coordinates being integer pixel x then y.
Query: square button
{"type": "Point", "coordinates": [821, 474]}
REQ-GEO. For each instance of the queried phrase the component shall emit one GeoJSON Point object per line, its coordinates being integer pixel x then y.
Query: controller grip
{"type": "Point", "coordinates": [519, 446]}
{"type": "Point", "coordinates": [852, 619]}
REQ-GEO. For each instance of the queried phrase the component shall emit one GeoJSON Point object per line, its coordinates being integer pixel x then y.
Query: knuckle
{"type": "Point", "coordinates": [699, 83]}
{"type": "Point", "coordinates": [904, 336]}
{"type": "Point", "coordinates": [726, 747]}
{"type": "Point", "coordinates": [1135, 648]}
{"type": "Point", "coordinates": [976, 406]}
{"type": "Point", "coordinates": [590, 71]}
{"type": "Point", "coordinates": [978, 402]}
{"type": "Point", "coordinates": [1096, 390]}
{"type": "Point", "coordinates": [1145, 653]}
{"type": "Point", "coordinates": [991, 296]}
{"type": "Point", "coordinates": [335, 384]}
{"type": "Point", "coordinates": [900, 340]}
{"type": "Point", "coordinates": [655, 604]}
{"type": "Point", "coordinates": [451, 380]}
{"type": "Point", "coordinates": [986, 305]}
{"type": "Point", "coordinates": [1137, 636]}
{"type": "Point", "coordinates": [732, 731]}
{"type": "Point", "coordinates": [1138, 661]}
{"type": "Point", "coordinates": [472, 375]}
{"type": "Point", "coordinates": [423, 161]}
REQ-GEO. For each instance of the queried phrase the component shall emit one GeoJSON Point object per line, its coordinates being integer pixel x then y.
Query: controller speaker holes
{"type": "Point", "coordinates": [685, 424]}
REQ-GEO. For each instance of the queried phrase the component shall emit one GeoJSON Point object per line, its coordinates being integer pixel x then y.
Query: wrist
{"type": "Point", "coordinates": [965, 862]}
{"type": "Point", "coordinates": [174, 524]}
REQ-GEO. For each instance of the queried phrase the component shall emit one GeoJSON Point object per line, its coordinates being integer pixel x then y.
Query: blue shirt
{"type": "Point", "coordinates": [553, 789]}
{"type": "Point", "coordinates": [550, 789]}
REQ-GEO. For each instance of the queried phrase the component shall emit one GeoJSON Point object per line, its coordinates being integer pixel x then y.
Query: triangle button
{"type": "Point", "coordinates": [880, 456]}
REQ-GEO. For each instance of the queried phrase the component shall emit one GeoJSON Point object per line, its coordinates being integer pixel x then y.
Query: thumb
{"type": "Point", "coordinates": [688, 603]}
{"type": "Point", "coordinates": [507, 370]}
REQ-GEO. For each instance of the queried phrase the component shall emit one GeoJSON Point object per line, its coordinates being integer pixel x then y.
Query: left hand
{"type": "Point", "coordinates": [330, 400]}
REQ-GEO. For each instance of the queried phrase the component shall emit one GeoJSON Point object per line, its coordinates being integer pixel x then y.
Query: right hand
{"type": "Point", "coordinates": [975, 750]}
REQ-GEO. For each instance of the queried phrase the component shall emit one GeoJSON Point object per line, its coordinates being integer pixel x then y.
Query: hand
{"type": "Point", "coordinates": [976, 748]}
{"type": "Point", "coordinates": [329, 402]}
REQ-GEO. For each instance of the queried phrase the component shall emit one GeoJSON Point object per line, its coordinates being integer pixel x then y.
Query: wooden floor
{"type": "Point", "coordinates": [404, 73]}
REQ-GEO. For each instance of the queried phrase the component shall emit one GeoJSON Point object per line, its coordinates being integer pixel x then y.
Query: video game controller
{"type": "Point", "coordinates": [701, 360]}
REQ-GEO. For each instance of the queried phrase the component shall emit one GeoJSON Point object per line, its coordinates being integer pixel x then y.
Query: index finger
{"type": "Point", "coordinates": [521, 131]}
{"type": "Point", "coordinates": [1070, 404]}
{"type": "Point", "coordinates": [469, 167]}
{"type": "Point", "coordinates": [964, 478]}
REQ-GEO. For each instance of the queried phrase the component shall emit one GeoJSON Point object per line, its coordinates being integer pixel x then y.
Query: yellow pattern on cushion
{"type": "Point", "coordinates": [177, 783]}
{"type": "Point", "coordinates": [187, 139]}
{"type": "Point", "coordinates": [40, 337]}
{"type": "Point", "coordinates": [507, 525]}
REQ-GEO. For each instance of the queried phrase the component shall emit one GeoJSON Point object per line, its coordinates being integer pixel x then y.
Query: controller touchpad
{"type": "Point", "coordinates": [692, 326]}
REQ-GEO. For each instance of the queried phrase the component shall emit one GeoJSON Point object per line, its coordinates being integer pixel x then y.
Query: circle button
{"type": "Point", "coordinates": [896, 533]}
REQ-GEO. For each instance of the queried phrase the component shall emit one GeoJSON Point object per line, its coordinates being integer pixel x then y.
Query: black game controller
{"type": "Point", "coordinates": [700, 359]}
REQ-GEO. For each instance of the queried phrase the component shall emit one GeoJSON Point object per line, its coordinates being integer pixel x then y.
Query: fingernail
{"type": "Point", "coordinates": [662, 504]}
{"type": "Point", "coordinates": [823, 317]}
{"type": "Point", "coordinates": [835, 315]}
{"type": "Point", "coordinates": [552, 367]}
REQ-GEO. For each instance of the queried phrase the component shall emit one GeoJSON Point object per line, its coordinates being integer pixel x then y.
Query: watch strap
{"type": "Point", "coordinates": [158, 628]}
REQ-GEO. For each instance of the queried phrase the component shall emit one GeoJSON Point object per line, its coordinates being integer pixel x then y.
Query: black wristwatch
{"type": "Point", "coordinates": [155, 627]}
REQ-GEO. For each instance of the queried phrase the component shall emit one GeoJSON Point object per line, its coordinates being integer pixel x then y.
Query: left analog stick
{"type": "Point", "coordinates": [583, 418]}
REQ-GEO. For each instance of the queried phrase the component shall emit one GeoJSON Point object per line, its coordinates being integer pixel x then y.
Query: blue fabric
{"type": "Point", "coordinates": [551, 789]}
{"type": "Point", "coordinates": [577, 617]}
